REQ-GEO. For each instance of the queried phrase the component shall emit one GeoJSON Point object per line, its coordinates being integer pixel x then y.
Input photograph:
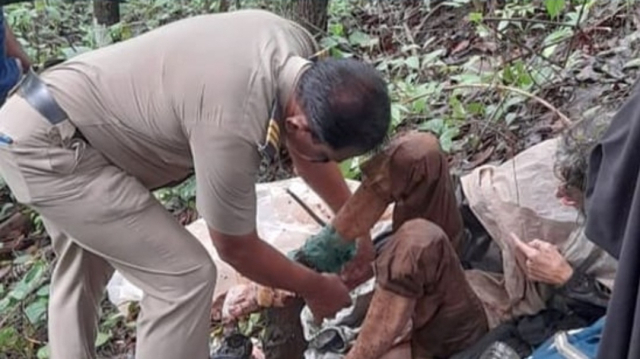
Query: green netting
{"type": "Point", "coordinates": [326, 251]}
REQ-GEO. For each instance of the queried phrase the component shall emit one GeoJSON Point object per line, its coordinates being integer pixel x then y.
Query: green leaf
{"type": "Point", "coordinates": [361, 39]}
{"type": "Point", "coordinates": [511, 116]}
{"type": "Point", "coordinates": [102, 338]}
{"type": "Point", "coordinates": [432, 56]}
{"type": "Point", "coordinates": [43, 291]}
{"type": "Point", "coordinates": [44, 352]}
{"type": "Point", "coordinates": [70, 52]}
{"type": "Point", "coordinates": [635, 63]}
{"type": "Point", "coordinates": [4, 304]}
{"type": "Point", "coordinates": [36, 311]}
{"type": "Point", "coordinates": [336, 29]}
{"type": "Point", "coordinates": [554, 7]}
{"type": "Point", "coordinates": [412, 62]}
{"type": "Point", "coordinates": [420, 105]}
{"type": "Point", "coordinates": [397, 113]}
{"type": "Point", "coordinates": [9, 337]}
{"type": "Point", "coordinates": [475, 17]}
{"type": "Point", "coordinates": [23, 259]}
{"type": "Point", "coordinates": [29, 282]}
{"type": "Point", "coordinates": [457, 108]}
{"type": "Point", "coordinates": [435, 126]}
{"type": "Point", "coordinates": [446, 138]}
{"type": "Point", "coordinates": [476, 108]}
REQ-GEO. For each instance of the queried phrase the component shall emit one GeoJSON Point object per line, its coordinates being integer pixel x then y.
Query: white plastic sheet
{"type": "Point", "coordinates": [280, 221]}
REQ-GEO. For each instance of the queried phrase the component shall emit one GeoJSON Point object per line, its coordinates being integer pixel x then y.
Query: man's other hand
{"type": "Point", "coordinates": [543, 262]}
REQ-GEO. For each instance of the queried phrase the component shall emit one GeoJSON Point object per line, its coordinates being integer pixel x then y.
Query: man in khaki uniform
{"type": "Point", "coordinates": [197, 96]}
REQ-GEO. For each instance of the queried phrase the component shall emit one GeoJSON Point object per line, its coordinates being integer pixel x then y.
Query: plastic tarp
{"type": "Point", "coordinates": [281, 222]}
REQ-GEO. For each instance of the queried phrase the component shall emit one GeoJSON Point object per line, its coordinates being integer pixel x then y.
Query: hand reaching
{"type": "Point", "coordinates": [329, 296]}
{"type": "Point", "coordinates": [360, 268]}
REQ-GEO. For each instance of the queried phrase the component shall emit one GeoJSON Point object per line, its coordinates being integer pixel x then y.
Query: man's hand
{"type": "Point", "coordinates": [263, 264]}
{"type": "Point", "coordinates": [360, 269]}
{"type": "Point", "coordinates": [543, 262]}
{"type": "Point", "coordinates": [327, 297]}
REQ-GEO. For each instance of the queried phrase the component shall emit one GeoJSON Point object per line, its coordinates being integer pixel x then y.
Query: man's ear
{"type": "Point", "coordinates": [297, 123]}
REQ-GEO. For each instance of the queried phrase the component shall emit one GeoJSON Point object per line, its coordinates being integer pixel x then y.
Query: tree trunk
{"type": "Point", "coordinates": [106, 12]}
{"type": "Point", "coordinates": [312, 14]}
{"type": "Point", "coordinates": [224, 6]}
{"type": "Point", "coordinates": [283, 335]}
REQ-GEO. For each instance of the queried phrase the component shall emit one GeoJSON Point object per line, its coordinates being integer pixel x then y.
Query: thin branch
{"type": "Point", "coordinates": [576, 31]}
{"type": "Point", "coordinates": [306, 208]}
{"type": "Point", "coordinates": [526, 47]}
{"type": "Point", "coordinates": [519, 19]}
{"type": "Point", "coordinates": [543, 102]}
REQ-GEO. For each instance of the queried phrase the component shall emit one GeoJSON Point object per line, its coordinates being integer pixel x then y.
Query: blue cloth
{"type": "Point", "coordinates": [9, 70]}
{"type": "Point", "coordinates": [585, 342]}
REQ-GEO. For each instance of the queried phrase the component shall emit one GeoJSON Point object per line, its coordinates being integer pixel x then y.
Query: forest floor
{"type": "Point", "coordinates": [489, 80]}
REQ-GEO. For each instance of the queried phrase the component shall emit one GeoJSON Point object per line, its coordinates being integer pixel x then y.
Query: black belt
{"type": "Point", "coordinates": [36, 93]}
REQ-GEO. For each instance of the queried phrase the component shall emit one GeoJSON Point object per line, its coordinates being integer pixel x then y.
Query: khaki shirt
{"type": "Point", "coordinates": [193, 95]}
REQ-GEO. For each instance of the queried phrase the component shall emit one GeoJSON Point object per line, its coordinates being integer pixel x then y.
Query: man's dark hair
{"type": "Point", "coordinates": [346, 103]}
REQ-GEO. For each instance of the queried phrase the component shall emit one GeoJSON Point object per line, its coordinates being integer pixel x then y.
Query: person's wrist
{"type": "Point", "coordinates": [565, 274]}
{"type": "Point", "coordinates": [313, 285]}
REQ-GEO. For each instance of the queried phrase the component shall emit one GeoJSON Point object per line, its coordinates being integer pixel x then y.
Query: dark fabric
{"type": "Point", "coordinates": [419, 262]}
{"type": "Point", "coordinates": [477, 249]}
{"type": "Point", "coordinates": [526, 333]}
{"type": "Point", "coordinates": [613, 223]}
{"type": "Point", "coordinates": [9, 71]}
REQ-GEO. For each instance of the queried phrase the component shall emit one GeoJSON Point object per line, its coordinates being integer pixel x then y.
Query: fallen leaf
{"type": "Point", "coordinates": [462, 45]}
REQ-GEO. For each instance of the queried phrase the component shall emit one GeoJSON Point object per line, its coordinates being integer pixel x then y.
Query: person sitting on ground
{"type": "Point", "coordinates": [420, 281]}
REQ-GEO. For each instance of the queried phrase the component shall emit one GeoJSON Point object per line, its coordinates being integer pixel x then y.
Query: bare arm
{"type": "Point", "coordinates": [376, 340]}
{"type": "Point", "coordinates": [325, 179]}
{"type": "Point", "coordinates": [14, 49]}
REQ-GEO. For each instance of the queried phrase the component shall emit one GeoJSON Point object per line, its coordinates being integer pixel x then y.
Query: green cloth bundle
{"type": "Point", "coordinates": [325, 252]}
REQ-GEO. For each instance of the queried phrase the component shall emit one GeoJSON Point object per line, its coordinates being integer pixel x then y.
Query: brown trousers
{"type": "Point", "coordinates": [100, 219]}
{"type": "Point", "coordinates": [420, 259]}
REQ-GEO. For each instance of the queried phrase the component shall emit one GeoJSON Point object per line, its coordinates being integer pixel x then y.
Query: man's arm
{"type": "Point", "coordinates": [263, 264]}
{"type": "Point", "coordinates": [14, 49]}
{"type": "Point", "coordinates": [325, 179]}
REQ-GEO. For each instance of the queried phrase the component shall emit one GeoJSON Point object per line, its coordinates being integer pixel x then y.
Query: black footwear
{"type": "Point", "coordinates": [234, 346]}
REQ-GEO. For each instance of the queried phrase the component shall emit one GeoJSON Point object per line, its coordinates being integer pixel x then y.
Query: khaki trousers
{"type": "Point", "coordinates": [100, 219]}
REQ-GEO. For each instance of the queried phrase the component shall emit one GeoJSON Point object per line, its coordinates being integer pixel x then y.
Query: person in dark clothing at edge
{"type": "Point", "coordinates": [613, 222]}
{"type": "Point", "coordinates": [13, 60]}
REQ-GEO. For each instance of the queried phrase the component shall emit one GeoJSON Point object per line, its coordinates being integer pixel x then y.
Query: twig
{"type": "Point", "coordinates": [576, 31]}
{"type": "Point", "coordinates": [540, 100]}
{"type": "Point", "coordinates": [306, 208]}
{"type": "Point", "coordinates": [494, 113]}
{"type": "Point", "coordinates": [607, 18]}
{"type": "Point", "coordinates": [426, 17]}
{"type": "Point", "coordinates": [412, 40]}
{"type": "Point", "coordinates": [526, 47]}
{"type": "Point", "coordinates": [535, 21]}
